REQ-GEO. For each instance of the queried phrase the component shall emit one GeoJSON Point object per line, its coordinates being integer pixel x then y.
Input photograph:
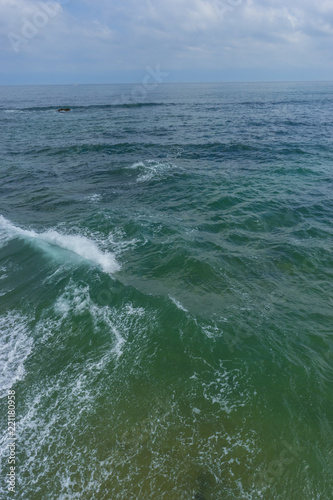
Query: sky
{"type": "Point", "coordinates": [123, 41]}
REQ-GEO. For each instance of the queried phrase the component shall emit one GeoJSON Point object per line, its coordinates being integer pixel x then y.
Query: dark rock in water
{"type": "Point", "coordinates": [64, 109]}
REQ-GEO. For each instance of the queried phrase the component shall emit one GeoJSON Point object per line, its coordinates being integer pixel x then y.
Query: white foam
{"type": "Point", "coordinates": [212, 332]}
{"type": "Point", "coordinates": [77, 244]}
{"type": "Point", "coordinates": [13, 111]}
{"type": "Point", "coordinates": [224, 390]}
{"type": "Point", "coordinates": [178, 304]}
{"type": "Point", "coordinates": [15, 347]}
{"type": "Point", "coordinates": [76, 300]}
{"type": "Point", "coordinates": [94, 198]}
{"type": "Point", "coordinates": [83, 247]}
{"type": "Point", "coordinates": [151, 169]}
{"type": "Point", "coordinates": [3, 274]}
{"type": "Point", "coordinates": [137, 311]}
{"type": "Point", "coordinates": [120, 340]}
{"type": "Point", "coordinates": [5, 233]}
{"type": "Point", "coordinates": [137, 165]}
{"type": "Point", "coordinates": [119, 242]}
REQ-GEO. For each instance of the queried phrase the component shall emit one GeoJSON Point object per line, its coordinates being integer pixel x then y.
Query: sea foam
{"type": "Point", "coordinates": [77, 244]}
{"type": "Point", "coordinates": [152, 170]}
{"type": "Point", "coordinates": [15, 347]}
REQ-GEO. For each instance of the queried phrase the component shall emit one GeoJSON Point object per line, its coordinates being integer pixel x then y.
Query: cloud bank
{"type": "Point", "coordinates": [200, 40]}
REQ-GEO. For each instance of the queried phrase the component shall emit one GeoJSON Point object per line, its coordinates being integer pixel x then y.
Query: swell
{"type": "Point", "coordinates": [88, 108]}
{"type": "Point", "coordinates": [207, 151]}
{"type": "Point", "coordinates": [208, 106]}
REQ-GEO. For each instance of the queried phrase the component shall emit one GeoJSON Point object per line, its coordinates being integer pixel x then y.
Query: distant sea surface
{"type": "Point", "coordinates": [166, 291]}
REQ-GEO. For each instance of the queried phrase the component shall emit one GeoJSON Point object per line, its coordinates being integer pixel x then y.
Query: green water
{"type": "Point", "coordinates": [166, 291]}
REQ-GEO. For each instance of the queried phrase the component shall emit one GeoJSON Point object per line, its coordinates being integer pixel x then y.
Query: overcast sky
{"type": "Point", "coordinates": [106, 41]}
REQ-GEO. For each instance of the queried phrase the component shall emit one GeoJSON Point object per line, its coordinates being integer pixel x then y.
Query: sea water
{"type": "Point", "coordinates": [166, 291]}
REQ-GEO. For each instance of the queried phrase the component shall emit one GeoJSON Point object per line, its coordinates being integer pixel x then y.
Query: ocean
{"type": "Point", "coordinates": [166, 292]}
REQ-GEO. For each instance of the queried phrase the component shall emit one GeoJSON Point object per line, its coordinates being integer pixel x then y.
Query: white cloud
{"type": "Point", "coordinates": [190, 34]}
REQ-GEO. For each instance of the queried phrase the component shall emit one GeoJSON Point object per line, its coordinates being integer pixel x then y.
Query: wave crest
{"type": "Point", "coordinates": [77, 244]}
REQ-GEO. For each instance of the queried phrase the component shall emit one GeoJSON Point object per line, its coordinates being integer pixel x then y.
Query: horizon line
{"type": "Point", "coordinates": [74, 84]}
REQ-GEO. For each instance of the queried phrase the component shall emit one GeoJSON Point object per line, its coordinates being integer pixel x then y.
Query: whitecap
{"type": "Point", "coordinates": [178, 304]}
{"type": "Point", "coordinates": [152, 169]}
{"type": "Point", "coordinates": [13, 111]}
{"type": "Point", "coordinates": [77, 244]}
{"type": "Point", "coordinates": [94, 198]}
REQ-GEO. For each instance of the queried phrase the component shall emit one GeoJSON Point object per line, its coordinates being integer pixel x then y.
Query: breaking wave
{"type": "Point", "coordinates": [77, 244]}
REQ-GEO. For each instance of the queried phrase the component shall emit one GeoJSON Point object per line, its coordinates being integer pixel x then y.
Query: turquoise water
{"type": "Point", "coordinates": [166, 291]}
